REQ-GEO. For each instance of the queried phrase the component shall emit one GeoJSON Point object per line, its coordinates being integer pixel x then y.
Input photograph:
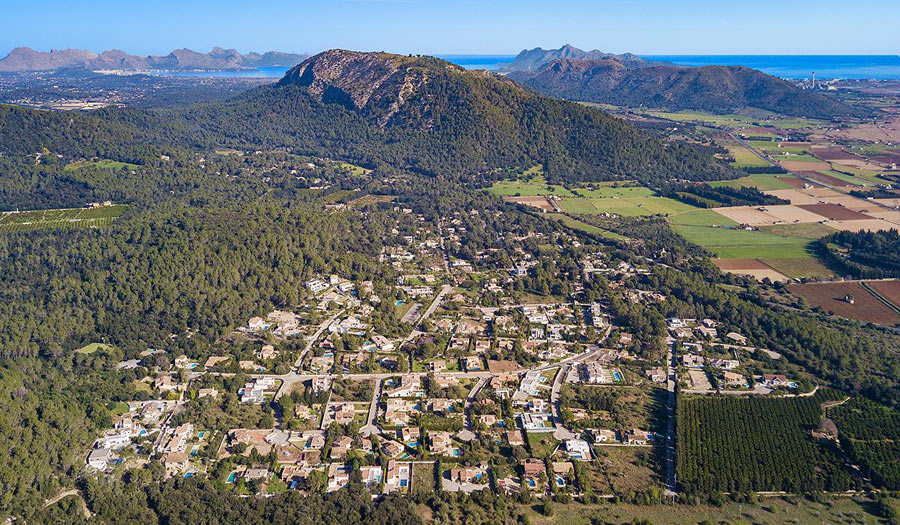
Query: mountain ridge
{"type": "Point", "coordinates": [537, 58]}
{"type": "Point", "coordinates": [23, 59]}
{"type": "Point", "coordinates": [717, 89]}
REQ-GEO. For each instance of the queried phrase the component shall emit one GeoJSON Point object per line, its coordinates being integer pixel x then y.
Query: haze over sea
{"type": "Point", "coordinates": [884, 67]}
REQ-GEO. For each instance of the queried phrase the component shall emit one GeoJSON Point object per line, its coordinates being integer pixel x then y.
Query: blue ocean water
{"type": "Point", "coordinates": [882, 67]}
{"type": "Point", "coordinates": [786, 66]}
{"type": "Point", "coordinates": [489, 62]}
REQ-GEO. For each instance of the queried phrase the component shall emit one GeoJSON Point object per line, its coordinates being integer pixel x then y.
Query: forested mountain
{"type": "Point", "coordinates": [718, 89]}
{"type": "Point", "coordinates": [376, 109]}
{"type": "Point", "coordinates": [27, 59]}
{"type": "Point", "coordinates": [431, 116]}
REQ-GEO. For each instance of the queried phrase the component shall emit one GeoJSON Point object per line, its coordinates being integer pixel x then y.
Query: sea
{"type": "Point", "coordinates": [882, 67]}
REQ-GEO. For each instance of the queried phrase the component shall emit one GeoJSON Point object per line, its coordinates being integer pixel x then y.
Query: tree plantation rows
{"type": "Point", "coordinates": [870, 433]}
{"type": "Point", "coordinates": [754, 444]}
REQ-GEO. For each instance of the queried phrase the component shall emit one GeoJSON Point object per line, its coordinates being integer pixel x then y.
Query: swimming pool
{"type": "Point", "coordinates": [617, 376]}
{"type": "Point", "coordinates": [231, 477]}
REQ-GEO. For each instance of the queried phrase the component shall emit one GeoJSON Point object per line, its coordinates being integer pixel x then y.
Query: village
{"type": "Point", "coordinates": [474, 391]}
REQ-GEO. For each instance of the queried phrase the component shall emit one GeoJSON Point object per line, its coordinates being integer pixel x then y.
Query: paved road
{"type": "Point", "coordinates": [670, 426]}
{"type": "Point", "coordinates": [370, 426]}
{"type": "Point", "coordinates": [561, 432]}
{"type": "Point", "coordinates": [471, 399]}
{"type": "Point", "coordinates": [311, 340]}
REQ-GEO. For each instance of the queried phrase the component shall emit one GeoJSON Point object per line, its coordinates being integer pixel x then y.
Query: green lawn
{"type": "Point", "coordinates": [541, 444]}
{"type": "Point", "coordinates": [742, 244]}
{"type": "Point", "coordinates": [93, 347]}
{"type": "Point", "coordinates": [104, 164]}
{"type": "Point", "coordinates": [764, 182]}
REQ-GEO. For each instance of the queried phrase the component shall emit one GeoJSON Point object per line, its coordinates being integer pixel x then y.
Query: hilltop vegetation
{"type": "Point", "coordinates": [388, 112]}
{"type": "Point", "coordinates": [717, 89]}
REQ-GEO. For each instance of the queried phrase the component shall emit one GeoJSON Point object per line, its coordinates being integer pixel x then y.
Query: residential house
{"type": "Point", "coordinates": [692, 361]}
{"type": "Point", "coordinates": [577, 449]}
{"type": "Point", "coordinates": [441, 443]}
{"type": "Point", "coordinates": [397, 476]}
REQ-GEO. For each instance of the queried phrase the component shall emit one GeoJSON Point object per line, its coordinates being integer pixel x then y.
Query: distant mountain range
{"type": "Point", "coordinates": [535, 59]}
{"type": "Point", "coordinates": [26, 59]}
{"type": "Point", "coordinates": [628, 80]}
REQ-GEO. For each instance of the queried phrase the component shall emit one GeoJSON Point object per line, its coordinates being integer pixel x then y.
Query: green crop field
{"type": "Point", "coordinates": [764, 182]}
{"type": "Point", "coordinates": [11, 222]}
{"type": "Point", "coordinates": [626, 207]}
{"type": "Point", "coordinates": [742, 244]}
{"type": "Point", "coordinates": [701, 218]}
{"type": "Point", "coordinates": [810, 230]}
{"type": "Point", "coordinates": [798, 267]}
{"type": "Point", "coordinates": [733, 120]}
{"type": "Point", "coordinates": [528, 188]}
{"type": "Point", "coordinates": [585, 227]}
{"type": "Point", "coordinates": [796, 158]}
{"type": "Point", "coordinates": [609, 192]}
{"type": "Point", "coordinates": [743, 157]}
{"type": "Point", "coordinates": [104, 164]}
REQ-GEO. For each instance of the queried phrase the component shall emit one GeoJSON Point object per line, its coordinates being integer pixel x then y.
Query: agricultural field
{"type": "Point", "coordinates": [104, 164]}
{"type": "Point", "coordinates": [614, 191]}
{"type": "Point", "coordinates": [60, 219]}
{"type": "Point", "coordinates": [626, 207]}
{"type": "Point", "coordinates": [872, 432]}
{"type": "Point", "coordinates": [770, 511]}
{"type": "Point", "coordinates": [588, 228]}
{"type": "Point", "coordinates": [730, 243]}
{"type": "Point", "coordinates": [889, 290]}
{"type": "Point", "coordinates": [726, 445]}
{"type": "Point", "coordinates": [701, 218]}
{"type": "Point", "coordinates": [744, 157]}
{"type": "Point", "coordinates": [831, 298]}
{"type": "Point", "coordinates": [763, 182]}
{"type": "Point", "coordinates": [735, 120]}
{"type": "Point", "coordinates": [529, 187]}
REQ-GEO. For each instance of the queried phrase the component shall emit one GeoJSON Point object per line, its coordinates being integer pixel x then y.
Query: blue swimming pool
{"type": "Point", "coordinates": [200, 434]}
{"type": "Point", "coordinates": [189, 474]}
{"type": "Point", "coordinates": [403, 482]}
{"type": "Point", "coordinates": [617, 376]}
{"type": "Point", "coordinates": [231, 477]}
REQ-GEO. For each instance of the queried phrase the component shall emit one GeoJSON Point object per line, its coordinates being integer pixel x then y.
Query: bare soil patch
{"type": "Point", "coordinates": [833, 153]}
{"type": "Point", "coordinates": [830, 297]}
{"type": "Point", "coordinates": [798, 166]}
{"type": "Point", "coordinates": [537, 202]}
{"type": "Point", "coordinates": [870, 225]}
{"type": "Point", "coordinates": [825, 179]}
{"type": "Point", "coordinates": [835, 212]}
{"type": "Point", "coordinates": [890, 290]}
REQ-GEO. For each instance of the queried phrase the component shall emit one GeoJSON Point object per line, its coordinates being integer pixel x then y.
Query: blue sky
{"type": "Point", "coordinates": [456, 26]}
